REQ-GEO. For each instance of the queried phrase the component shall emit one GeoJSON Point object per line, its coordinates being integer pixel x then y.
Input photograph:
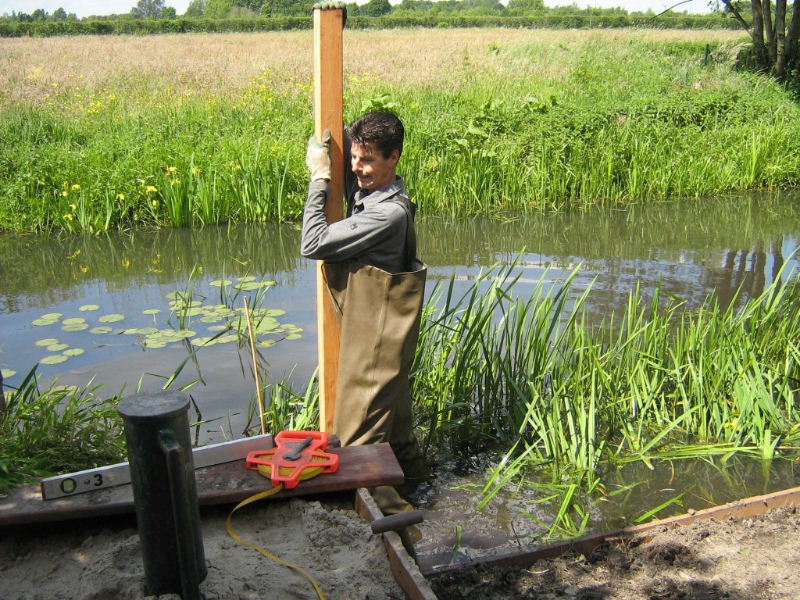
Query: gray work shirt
{"type": "Point", "coordinates": [373, 233]}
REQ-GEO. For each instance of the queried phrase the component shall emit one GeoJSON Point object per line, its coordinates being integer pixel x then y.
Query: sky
{"type": "Point", "coordinates": [85, 8]}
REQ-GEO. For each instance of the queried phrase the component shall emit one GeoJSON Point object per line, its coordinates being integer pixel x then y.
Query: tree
{"type": "Point", "coordinates": [148, 9]}
{"type": "Point", "coordinates": [218, 9]}
{"type": "Point", "coordinates": [775, 41]}
{"type": "Point", "coordinates": [377, 8]}
{"type": "Point", "coordinates": [196, 8]}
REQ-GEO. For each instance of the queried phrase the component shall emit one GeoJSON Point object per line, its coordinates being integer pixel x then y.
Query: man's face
{"type": "Point", "coordinates": [372, 170]}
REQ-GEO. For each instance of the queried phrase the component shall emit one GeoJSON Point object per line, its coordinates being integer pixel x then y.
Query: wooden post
{"type": "Point", "coordinates": [329, 114]}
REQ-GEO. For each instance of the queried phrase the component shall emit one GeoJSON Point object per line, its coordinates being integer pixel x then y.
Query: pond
{"type": "Point", "coordinates": [102, 309]}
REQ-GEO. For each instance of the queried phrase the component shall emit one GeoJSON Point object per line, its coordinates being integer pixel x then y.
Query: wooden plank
{"type": "Point", "coordinates": [329, 114]}
{"type": "Point", "coordinates": [231, 482]}
{"type": "Point", "coordinates": [740, 509]}
{"type": "Point", "coordinates": [405, 570]}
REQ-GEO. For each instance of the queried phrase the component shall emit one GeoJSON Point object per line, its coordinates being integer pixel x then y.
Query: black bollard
{"type": "Point", "coordinates": [164, 493]}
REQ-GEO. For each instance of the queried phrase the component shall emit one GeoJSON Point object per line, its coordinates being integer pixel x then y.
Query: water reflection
{"type": "Point", "coordinates": [689, 248]}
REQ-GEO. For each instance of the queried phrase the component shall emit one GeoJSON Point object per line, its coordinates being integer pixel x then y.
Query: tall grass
{"type": "Point", "coordinates": [567, 403]}
{"type": "Point", "coordinates": [497, 120]}
{"type": "Point", "coordinates": [56, 430]}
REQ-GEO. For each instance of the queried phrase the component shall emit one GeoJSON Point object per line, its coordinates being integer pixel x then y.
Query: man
{"type": "Point", "coordinates": [376, 283]}
{"type": "Point", "coordinates": [374, 231]}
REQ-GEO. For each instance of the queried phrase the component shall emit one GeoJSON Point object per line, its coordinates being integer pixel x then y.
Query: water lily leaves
{"type": "Point", "coordinates": [54, 359]}
{"type": "Point", "coordinates": [74, 324]}
{"type": "Point", "coordinates": [224, 322]}
{"type": "Point", "coordinates": [113, 318]}
{"type": "Point", "coordinates": [7, 373]}
{"type": "Point", "coordinates": [48, 319]}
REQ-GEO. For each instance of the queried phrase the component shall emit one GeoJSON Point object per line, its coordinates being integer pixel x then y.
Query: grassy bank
{"type": "Point", "coordinates": [108, 132]}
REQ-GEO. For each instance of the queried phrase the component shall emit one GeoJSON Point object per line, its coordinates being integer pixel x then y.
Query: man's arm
{"type": "Point", "coordinates": [349, 237]}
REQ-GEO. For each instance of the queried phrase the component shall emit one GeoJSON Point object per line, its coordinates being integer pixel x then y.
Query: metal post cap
{"type": "Point", "coordinates": [154, 405]}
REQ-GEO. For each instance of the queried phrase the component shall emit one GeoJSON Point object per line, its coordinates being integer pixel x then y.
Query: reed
{"type": "Point", "coordinates": [571, 403]}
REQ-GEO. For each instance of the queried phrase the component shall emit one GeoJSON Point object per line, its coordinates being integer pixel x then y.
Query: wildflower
{"type": "Point", "coordinates": [172, 169]}
{"type": "Point", "coordinates": [155, 203]}
{"type": "Point", "coordinates": [74, 207]}
{"type": "Point", "coordinates": [120, 196]}
{"type": "Point", "coordinates": [151, 189]}
{"type": "Point", "coordinates": [75, 187]}
{"type": "Point", "coordinates": [68, 216]}
{"type": "Point", "coordinates": [64, 193]}
{"type": "Point", "coordinates": [126, 263]}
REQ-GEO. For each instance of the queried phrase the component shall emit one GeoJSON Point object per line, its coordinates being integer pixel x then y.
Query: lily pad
{"type": "Point", "coordinates": [112, 318]}
{"type": "Point", "coordinates": [54, 359]}
{"type": "Point", "coordinates": [47, 342]}
{"type": "Point", "coordinates": [8, 373]}
{"type": "Point", "coordinates": [74, 352]}
{"type": "Point", "coordinates": [151, 311]}
{"type": "Point", "coordinates": [57, 347]}
{"type": "Point", "coordinates": [75, 327]}
{"type": "Point", "coordinates": [73, 321]}
{"type": "Point", "coordinates": [100, 329]}
{"type": "Point", "coordinates": [88, 307]}
{"type": "Point", "coordinates": [42, 322]}
{"type": "Point", "coordinates": [220, 282]}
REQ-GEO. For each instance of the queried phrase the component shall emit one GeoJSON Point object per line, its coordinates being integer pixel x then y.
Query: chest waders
{"type": "Point", "coordinates": [379, 314]}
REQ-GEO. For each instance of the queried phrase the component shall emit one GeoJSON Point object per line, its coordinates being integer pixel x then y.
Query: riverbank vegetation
{"type": "Point", "coordinates": [570, 405]}
{"type": "Point", "coordinates": [527, 120]}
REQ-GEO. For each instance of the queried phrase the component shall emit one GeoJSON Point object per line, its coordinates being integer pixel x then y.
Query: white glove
{"type": "Point", "coordinates": [318, 157]}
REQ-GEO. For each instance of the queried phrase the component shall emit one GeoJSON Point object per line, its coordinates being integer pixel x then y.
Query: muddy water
{"type": "Point", "coordinates": [119, 287]}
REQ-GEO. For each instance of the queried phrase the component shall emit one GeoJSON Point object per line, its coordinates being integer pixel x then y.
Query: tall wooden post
{"type": "Point", "coordinates": [329, 114]}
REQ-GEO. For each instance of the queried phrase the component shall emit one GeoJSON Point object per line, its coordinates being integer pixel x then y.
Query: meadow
{"type": "Point", "coordinates": [104, 132]}
{"type": "Point", "coordinates": [186, 130]}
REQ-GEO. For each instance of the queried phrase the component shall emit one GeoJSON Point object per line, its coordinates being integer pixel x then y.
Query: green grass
{"type": "Point", "coordinates": [56, 430]}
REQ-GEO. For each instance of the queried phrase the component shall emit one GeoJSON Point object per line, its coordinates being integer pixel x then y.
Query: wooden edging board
{"type": "Point", "coordinates": [740, 509]}
{"type": "Point", "coordinates": [405, 570]}
{"type": "Point", "coordinates": [226, 483]}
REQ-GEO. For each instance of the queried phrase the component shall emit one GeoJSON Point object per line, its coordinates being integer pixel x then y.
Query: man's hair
{"type": "Point", "coordinates": [383, 129]}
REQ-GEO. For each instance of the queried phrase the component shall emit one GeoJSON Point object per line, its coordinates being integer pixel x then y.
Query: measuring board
{"type": "Point", "coordinates": [90, 480]}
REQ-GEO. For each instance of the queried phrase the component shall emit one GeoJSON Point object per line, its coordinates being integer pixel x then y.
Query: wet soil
{"type": "Point", "coordinates": [750, 559]}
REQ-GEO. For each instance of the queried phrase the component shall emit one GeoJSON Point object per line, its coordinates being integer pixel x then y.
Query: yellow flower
{"type": "Point", "coordinates": [68, 216]}
{"type": "Point", "coordinates": [84, 268]}
{"type": "Point", "coordinates": [74, 207]}
{"type": "Point", "coordinates": [151, 189]}
{"type": "Point", "coordinates": [75, 187]}
{"type": "Point", "coordinates": [126, 263]}
{"type": "Point", "coordinates": [120, 196]}
{"type": "Point", "coordinates": [65, 193]}
{"type": "Point", "coordinates": [155, 203]}
{"type": "Point", "coordinates": [172, 169]}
